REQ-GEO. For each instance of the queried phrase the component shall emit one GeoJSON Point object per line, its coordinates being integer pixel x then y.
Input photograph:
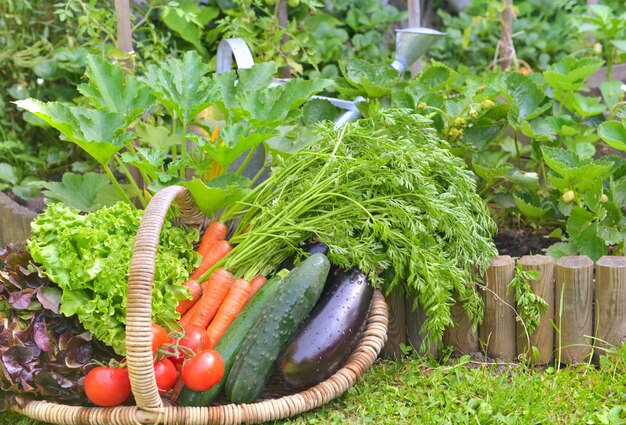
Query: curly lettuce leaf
{"type": "Point", "coordinates": [88, 256]}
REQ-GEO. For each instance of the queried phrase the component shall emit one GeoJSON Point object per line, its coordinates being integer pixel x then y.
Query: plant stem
{"type": "Point", "coordinates": [132, 182]}
{"type": "Point", "coordinates": [519, 160]}
{"type": "Point", "coordinates": [245, 162]}
{"type": "Point", "coordinates": [117, 186]}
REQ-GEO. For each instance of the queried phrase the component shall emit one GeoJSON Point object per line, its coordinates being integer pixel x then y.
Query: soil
{"type": "Point", "coordinates": [523, 241]}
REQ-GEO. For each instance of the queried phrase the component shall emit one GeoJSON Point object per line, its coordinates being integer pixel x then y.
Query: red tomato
{"type": "Point", "coordinates": [196, 339]}
{"type": "Point", "coordinates": [107, 386]}
{"type": "Point", "coordinates": [166, 375]}
{"type": "Point", "coordinates": [203, 371]}
{"type": "Point", "coordinates": [159, 337]}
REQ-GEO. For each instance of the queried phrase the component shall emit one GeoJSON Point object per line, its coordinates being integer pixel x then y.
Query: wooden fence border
{"type": "Point", "coordinates": [586, 313]}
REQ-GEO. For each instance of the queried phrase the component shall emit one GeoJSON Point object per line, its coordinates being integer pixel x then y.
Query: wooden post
{"type": "Point", "coordinates": [610, 307]}
{"type": "Point", "coordinates": [461, 337]}
{"type": "Point", "coordinates": [396, 332]}
{"type": "Point", "coordinates": [573, 313]}
{"type": "Point", "coordinates": [543, 337]}
{"type": "Point", "coordinates": [414, 321]}
{"type": "Point", "coordinates": [497, 332]}
{"type": "Point", "coordinates": [124, 31]}
{"type": "Point", "coordinates": [507, 51]}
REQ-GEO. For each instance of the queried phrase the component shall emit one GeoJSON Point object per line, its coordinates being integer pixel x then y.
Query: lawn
{"type": "Point", "coordinates": [419, 391]}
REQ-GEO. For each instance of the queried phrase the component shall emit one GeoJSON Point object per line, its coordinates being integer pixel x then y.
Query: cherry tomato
{"type": "Point", "coordinates": [107, 386]}
{"type": "Point", "coordinates": [195, 339]}
{"type": "Point", "coordinates": [166, 375]}
{"type": "Point", "coordinates": [203, 371]}
{"type": "Point", "coordinates": [159, 337]}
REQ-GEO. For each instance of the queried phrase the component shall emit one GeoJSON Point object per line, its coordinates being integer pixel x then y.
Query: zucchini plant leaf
{"type": "Point", "coordinates": [614, 134]}
{"type": "Point", "coordinates": [276, 104]}
{"type": "Point", "coordinates": [100, 133]}
{"type": "Point", "coordinates": [217, 193]}
{"type": "Point", "coordinates": [86, 192]}
{"type": "Point", "coordinates": [110, 89]}
{"type": "Point", "coordinates": [231, 83]}
{"type": "Point", "coordinates": [183, 85]}
{"type": "Point", "coordinates": [234, 140]}
{"type": "Point", "coordinates": [156, 136]}
{"type": "Point", "coordinates": [150, 161]}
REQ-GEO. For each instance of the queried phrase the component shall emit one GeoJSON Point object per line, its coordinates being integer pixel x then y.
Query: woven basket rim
{"type": "Point", "coordinates": [149, 407]}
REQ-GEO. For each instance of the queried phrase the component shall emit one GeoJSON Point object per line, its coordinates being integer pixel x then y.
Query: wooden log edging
{"type": "Point", "coordinates": [585, 316]}
{"type": "Point", "coordinates": [14, 221]}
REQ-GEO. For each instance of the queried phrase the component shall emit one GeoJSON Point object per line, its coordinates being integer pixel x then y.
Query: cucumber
{"type": "Point", "coordinates": [256, 360]}
{"type": "Point", "coordinates": [230, 343]}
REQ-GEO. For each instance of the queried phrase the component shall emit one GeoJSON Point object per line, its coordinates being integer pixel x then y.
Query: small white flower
{"type": "Point", "coordinates": [40, 81]}
{"type": "Point", "coordinates": [623, 87]}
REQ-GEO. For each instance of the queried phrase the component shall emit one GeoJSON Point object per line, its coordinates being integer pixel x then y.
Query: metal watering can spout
{"type": "Point", "coordinates": [411, 43]}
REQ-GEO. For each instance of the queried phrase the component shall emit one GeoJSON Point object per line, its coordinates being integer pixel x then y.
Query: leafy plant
{"type": "Point", "coordinates": [88, 257]}
{"type": "Point", "coordinates": [43, 354]}
{"type": "Point", "coordinates": [530, 306]}
{"type": "Point", "coordinates": [246, 110]}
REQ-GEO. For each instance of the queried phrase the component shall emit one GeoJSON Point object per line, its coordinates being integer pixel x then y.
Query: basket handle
{"type": "Point", "coordinates": [139, 298]}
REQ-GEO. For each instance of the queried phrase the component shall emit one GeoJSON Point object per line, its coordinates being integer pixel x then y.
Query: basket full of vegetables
{"type": "Point", "coordinates": [246, 336]}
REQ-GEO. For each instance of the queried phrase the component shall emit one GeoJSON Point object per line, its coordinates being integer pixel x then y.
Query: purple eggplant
{"type": "Point", "coordinates": [326, 339]}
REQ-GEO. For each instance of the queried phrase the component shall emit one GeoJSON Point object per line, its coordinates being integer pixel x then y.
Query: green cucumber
{"type": "Point", "coordinates": [256, 360]}
{"type": "Point", "coordinates": [230, 343]}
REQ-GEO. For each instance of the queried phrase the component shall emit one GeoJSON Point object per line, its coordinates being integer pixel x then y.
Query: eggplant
{"type": "Point", "coordinates": [330, 333]}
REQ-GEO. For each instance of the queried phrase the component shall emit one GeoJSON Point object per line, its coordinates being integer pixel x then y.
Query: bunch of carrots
{"type": "Point", "coordinates": [217, 301]}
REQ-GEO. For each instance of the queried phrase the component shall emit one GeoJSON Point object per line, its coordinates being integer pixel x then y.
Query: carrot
{"type": "Point", "coordinates": [214, 232]}
{"type": "Point", "coordinates": [217, 288]}
{"type": "Point", "coordinates": [196, 293]}
{"type": "Point", "coordinates": [186, 318]}
{"type": "Point", "coordinates": [217, 251]}
{"type": "Point", "coordinates": [233, 303]}
{"type": "Point", "coordinates": [256, 283]}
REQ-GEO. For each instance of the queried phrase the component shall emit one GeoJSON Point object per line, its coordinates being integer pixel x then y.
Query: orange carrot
{"type": "Point", "coordinates": [214, 232]}
{"type": "Point", "coordinates": [217, 288]}
{"type": "Point", "coordinates": [217, 251]}
{"type": "Point", "coordinates": [186, 318]}
{"type": "Point", "coordinates": [256, 283]}
{"type": "Point", "coordinates": [233, 303]}
{"type": "Point", "coordinates": [196, 293]}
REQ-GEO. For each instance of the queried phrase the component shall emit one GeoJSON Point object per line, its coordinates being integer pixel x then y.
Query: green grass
{"type": "Point", "coordinates": [417, 391]}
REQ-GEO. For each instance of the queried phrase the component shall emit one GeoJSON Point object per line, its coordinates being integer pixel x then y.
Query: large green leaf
{"type": "Point", "coordinates": [218, 193]}
{"type": "Point", "coordinates": [372, 80]}
{"type": "Point", "coordinates": [183, 85]}
{"type": "Point", "coordinates": [86, 192]}
{"type": "Point", "coordinates": [156, 136]}
{"type": "Point", "coordinates": [614, 134]}
{"type": "Point", "coordinates": [234, 140]}
{"type": "Point", "coordinates": [436, 77]}
{"type": "Point", "coordinates": [274, 104]}
{"type": "Point", "coordinates": [570, 73]}
{"type": "Point", "coordinates": [581, 172]}
{"type": "Point", "coordinates": [586, 106]}
{"type": "Point", "coordinates": [188, 19]}
{"type": "Point", "coordinates": [526, 98]}
{"type": "Point", "coordinates": [8, 173]}
{"type": "Point", "coordinates": [99, 133]}
{"type": "Point", "coordinates": [110, 89]}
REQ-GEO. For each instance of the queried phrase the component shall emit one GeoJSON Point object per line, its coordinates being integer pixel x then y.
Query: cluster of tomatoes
{"type": "Point", "coordinates": [186, 355]}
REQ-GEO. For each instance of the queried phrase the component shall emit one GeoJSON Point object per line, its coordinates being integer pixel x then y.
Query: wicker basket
{"type": "Point", "coordinates": [150, 408]}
